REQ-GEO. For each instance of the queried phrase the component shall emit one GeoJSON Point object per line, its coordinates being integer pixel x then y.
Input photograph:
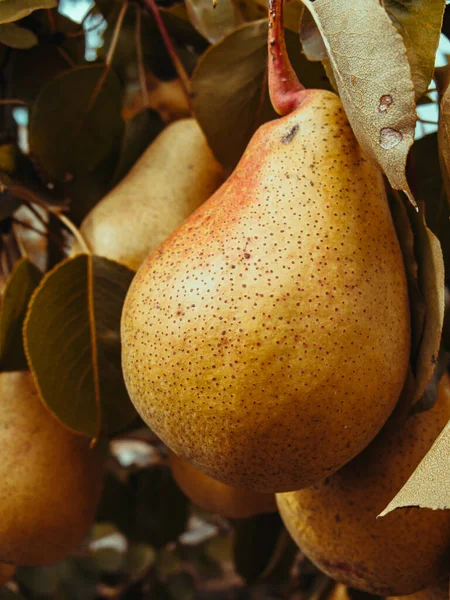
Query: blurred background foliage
{"type": "Point", "coordinates": [149, 541]}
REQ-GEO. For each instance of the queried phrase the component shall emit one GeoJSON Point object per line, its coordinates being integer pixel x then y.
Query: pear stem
{"type": "Point", "coordinates": [286, 91]}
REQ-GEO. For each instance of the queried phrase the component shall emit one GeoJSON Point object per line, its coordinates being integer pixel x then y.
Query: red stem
{"type": "Point", "coordinates": [179, 68]}
{"type": "Point", "coordinates": [286, 91]}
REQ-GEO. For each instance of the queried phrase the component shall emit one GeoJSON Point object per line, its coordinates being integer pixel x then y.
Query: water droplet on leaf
{"type": "Point", "coordinates": [385, 102]}
{"type": "Point", "coordinates": [389, 138]}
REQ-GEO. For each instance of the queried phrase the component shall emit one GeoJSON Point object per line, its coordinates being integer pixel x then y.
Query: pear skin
{"type": "Point", "coordinates": [51, 480]}
{"type": "Point", "coordinates": [438, 591]}
{"type": "Point", "coordinates": [216, 497]}
{"type": "Point", "coordinates": [6, 573]}
{"type": "Point", "coordinates": [335, 523]}
{"type": "Point", "coordinates": [267, 339]}
{"type": "Point", "coordinates": [176, 174]}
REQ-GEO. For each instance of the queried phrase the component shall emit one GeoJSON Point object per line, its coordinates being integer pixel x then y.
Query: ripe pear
{"type": "Point", "coordinates": [50, 480]}
{"type": "Point", "coordinates": [335, 522]}
{"type": "Point", "coordinates": [437, 591]}
{"type": "Point", "coordinates": [6, 573]}
{"type": "Point", "coordinates": [169, 181]}
{"type": "Point", "coordinates": [216, 497]}
{"type": "Point", "coordinates": [255, 340]}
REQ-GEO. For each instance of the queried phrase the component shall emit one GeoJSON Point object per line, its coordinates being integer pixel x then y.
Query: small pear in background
{"type": "Point", "coordinates": [335, 523]}
{"type": "Point", "coordinates": [216, 497]}
{"type": "Point", "coordinates": [50, 480]}
{"type": "Point", "coordinates": [176, 174]}
{"type": "Point", "coordinates": [267, 339]}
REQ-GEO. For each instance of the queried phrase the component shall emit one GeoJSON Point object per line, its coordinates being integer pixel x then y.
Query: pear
{"type": "Point", "coordinates": [215, 497]}
{"type": "Point", "coordinates": [437, 591]}
{"type": "Point", "coordinates": [335, 523]}
{"type": "Point", "coordinates": [50, 480]}
{"type": "Point", "coordinates": [6, 573]}
{"type": "Point", "coordinates": [267, 339]}
{"type": "Point", "coordinates": [176, 174]}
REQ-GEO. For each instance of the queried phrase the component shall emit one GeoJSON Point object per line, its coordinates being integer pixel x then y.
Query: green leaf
{"type": "Point", "coordinates": [431, 282]}
{"type": "Point", "coordinates": [214, 22]}
{"type": "Point", "coordinates": [255, 541]}
{"type": "Point", "coordinates": [72, 339]}
{"type": "Point", "coordinates": [230, 80]}
{"type": "Point", "coordinates": [7, 594]}
{"type": "Point", "coordinates": [419, 23]}
{"type": "Point", "coordinates": [13, 10]}
{"type": "Point", "coordinates": [17, 37]}
{"type": "Point", "coordinates": [15, 296]}
{"type": "Point", "coordinates": [138, 134]}
{"type": "Point", "coordinates": [75, 121]}
{"type": "Point", "coordinates": [428, 188]}
{"type": "Point", "coordinates": [140, 558]}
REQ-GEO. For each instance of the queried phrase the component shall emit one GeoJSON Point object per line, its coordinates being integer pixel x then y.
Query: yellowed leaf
{"type": "Point", "coordinates": [442, 78]}
{"type": "Point", "coordinates": [429, 485]}
{"type": "Point", "coordinates": [373, 77]}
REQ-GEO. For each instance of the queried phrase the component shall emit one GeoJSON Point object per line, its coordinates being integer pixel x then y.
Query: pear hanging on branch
{"type": "Point", "coordinates": [267, 340]}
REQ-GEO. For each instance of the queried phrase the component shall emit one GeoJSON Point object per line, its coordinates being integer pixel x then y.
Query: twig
{"type": "Point", "coordinates": [179, 68]}
{"type": "Point", "coordinates": [8, 101]}
{"type": "Point", "coordinates": [140, 57]}
{"type": "Point", "coordinates": [115, 35]}
{"type": "Point", "coordinates": [75, 232]}
{"type": "Point", "coordinates": [51, 20]}
{"type": "Point", "coordinates": [65, 56]}
{"type": "Point", "coordinates": [109, 56]}
{"type": "Point", "coordinates": [426, 122]}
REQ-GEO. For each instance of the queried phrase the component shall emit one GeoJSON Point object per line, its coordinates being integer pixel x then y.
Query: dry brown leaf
{"type": "Point", "coordinates": [214, 21]}
{"type": "Point", "coordinates": [431, 279]}
{"type": "Point", "coordinates": [429, 485]}
{"type": "Point", "coordinates": [373, 77]}
{"type": "Point", "coordinates": [442, 78]}
{"type": "Point", "coordinates": [419, 24]}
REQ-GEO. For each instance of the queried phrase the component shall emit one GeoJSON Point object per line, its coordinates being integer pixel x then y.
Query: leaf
{"type": "Point", "coordinates": [13, 10]}
{"type": "Point", "coordinates": [140, 558]}
{"type": "Point", "coordinates": [431, 283]}
{"type": "Point", "coordinates": [427, 184]}
{"type": "Point", "coordinates": [429, 485]}
{"type": "Point", "coordinates": [419, 23]}
{"type": "Point", "coordinates": [14, 302]}
{"type": "Point", "coordinates": [312, 42]}
{"type": "Point", "coordinates": [138, 134]}
{"type": "Point", "coordinates": [230, 80]}
{"type": "Point", "coordinates": [72, 341]}
{"type": "Point", "coordinates": [7, 594]}
{"type": "Point", "coordinates": [405, 237]}
{"type": "Point", "coordinates": [17, 37]}
{"type": "Point", "coordinates": [75, 121]}
{"type": "Point", "coordinates": [214, 22]}
{"type": "Point", "coordinates": [255, 541]}
{"type": "Point", "coordinates": [443, 78]}
{"type": "Point", "coordinates": [373, 78]}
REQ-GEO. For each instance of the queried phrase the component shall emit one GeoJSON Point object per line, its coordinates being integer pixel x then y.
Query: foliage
{"type": "Point", "coordinates": [89, 121]}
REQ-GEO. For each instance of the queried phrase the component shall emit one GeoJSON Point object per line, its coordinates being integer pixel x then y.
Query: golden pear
{"type": "Point", "coordinates": [437, 591]}
{"type": "Point", "coordinates": [176, 174]}
{"type": "Point", "coordinates": [6, 573]}
{"type": "Point", "coordinates": [335, 522]}
{"type": "Point", "coordinates": [216, 497]}
{"type": "Point", "coordinates": [50, 480]}
{"type": "Point", "coordinates": [267, 339]}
